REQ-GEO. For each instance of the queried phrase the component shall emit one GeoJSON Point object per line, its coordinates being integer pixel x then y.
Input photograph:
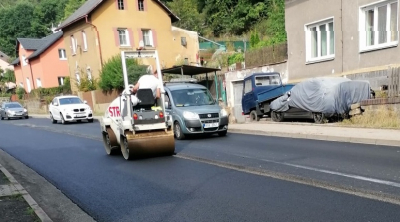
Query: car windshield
{"type": "Point", "coordinates": [192, 97]}
{"type": "Point", "coordinates": [13, 105]}
{"type": "Point", "coordinates": [70, 100]}
{"type": "Point", "coordinates": [268, 80]}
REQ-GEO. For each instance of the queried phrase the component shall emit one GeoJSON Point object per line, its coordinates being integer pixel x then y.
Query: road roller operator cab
{"type": "Point", "coordinates": [136, 125]}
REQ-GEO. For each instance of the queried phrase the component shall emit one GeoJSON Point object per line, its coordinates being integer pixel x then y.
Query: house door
{"type": "Point", "coordinates": [237, 100]}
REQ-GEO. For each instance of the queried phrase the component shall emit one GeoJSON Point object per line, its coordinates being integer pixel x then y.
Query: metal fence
{"type": "Point", "coordinates": [266, 55]}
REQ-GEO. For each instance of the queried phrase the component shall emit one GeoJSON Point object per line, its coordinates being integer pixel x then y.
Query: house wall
{"type": "Point", "coordinates": [52, 66]}
{"type": "Point", "coordinates": [81, 60]}
{"type": "Point", "coordinates": [5, 65]}
{"type": "Point", "coordinates": [295, 21]}
{"type": "Point", "coordinates": [107, 18]}
{"type": "Point", "coordinates": [25, 69]}
{"type": "Point", "coordinates": [349, 60]}
{"type": "Point", "coordinates": [37, 71]}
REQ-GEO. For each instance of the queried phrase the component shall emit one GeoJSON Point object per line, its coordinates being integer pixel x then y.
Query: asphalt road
{"type": "Point", "coordinates": [236, 178]}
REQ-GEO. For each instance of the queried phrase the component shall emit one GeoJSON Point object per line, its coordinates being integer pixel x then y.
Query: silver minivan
{"type": "Point", "coordinates": [193, 110]}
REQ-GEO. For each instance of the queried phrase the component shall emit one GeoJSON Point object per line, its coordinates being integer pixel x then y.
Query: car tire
{"type": "Point", "coordinates": [62, 119]}
{"type": "Point", "coordinates": [277, 116]}
{"type": "Point", "coordinates": [222, 133]}
{"type": "Point", "coordinates": [253, 116]}
{"type": "Point", "coordinates": [319, 118]}
{"type": "Point", "coordinates": [90, 120]}
{"type": "Point", "coordinates": [1, 117]}
{"type": "Point", "coordinates": [178, 131]}
{"type": "Point", "coordinates": [26, 117]}
{"type": "Point", "coordinates": [52, 119]}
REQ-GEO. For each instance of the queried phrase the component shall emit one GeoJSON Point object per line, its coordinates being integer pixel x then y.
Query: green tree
{"type": "Point", "coordinates": [187, 11]}
{"type": "Point", "coordinates": [111, 74]}
{"type": "Point", "coordinates": [46, 14]}
{"type": "Point", "coordinates": [71, 6]}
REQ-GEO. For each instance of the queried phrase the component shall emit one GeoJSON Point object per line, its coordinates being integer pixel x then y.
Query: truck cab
{"type": "Point", "coordinates": [259, 90]}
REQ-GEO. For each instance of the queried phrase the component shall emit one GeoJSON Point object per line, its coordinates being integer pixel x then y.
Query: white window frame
{"type": "Point", "coordinates": [319, 57]}
{"type": "Point", "coordinates": [89, 73]}
{"type": "Point", "coordinates": [85, 48]}
{"type": "Point", "coordinates": [141, 5]}
{"type": "Point", "coordinates": [24, 63]}
{"type": "Point", "coordinates": [73, 45]}
{"type": "Point", "coordinates": [63, 54]}
{"type": "Point", "coordinates": [38, 83]}
{"type": "Point", "coordinates": [121, 5]}
{"type": "Point", "coordinates": [125, 32]}
{"type": "Point", "coordinates": [147, 33]}
{"type": "Point", "coordinates": [61, 80]}
{"type": "Point", "coordinates": [28, 85]}
{"type": "Point", "coordinates": [78, 77]}
{"type": "Point", "coordinates": [363, 34]}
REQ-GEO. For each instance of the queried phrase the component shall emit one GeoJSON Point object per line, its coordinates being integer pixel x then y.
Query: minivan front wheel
{"type": "Point", "coordinates": [178, 131]}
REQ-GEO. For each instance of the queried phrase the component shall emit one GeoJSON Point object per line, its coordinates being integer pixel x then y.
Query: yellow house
{"type": "Point", "coordinates": [100, 29]}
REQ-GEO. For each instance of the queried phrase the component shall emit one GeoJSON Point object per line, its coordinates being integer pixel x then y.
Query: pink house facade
{"type": "Point", "coordinates": [41, 62]}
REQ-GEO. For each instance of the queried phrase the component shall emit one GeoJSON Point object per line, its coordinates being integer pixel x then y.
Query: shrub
{"type": "Point", "coordinates": [235, 58]}
{"type": "Point", "coordinates": [20, 92]}
{"type": "Point", "coordinates": [111, 74]}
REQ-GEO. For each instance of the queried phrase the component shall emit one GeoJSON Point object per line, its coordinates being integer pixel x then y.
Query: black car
{"type": "Point", "coordinates": [14, 110]}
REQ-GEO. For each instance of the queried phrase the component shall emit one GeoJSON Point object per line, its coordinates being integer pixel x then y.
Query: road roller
{"type": "Point", "coordinates": [136, 125]}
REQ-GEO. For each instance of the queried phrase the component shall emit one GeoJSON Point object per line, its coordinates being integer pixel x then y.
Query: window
{"type": "Point", "coordinates": [24, 60]}
{"type": "Point", "coordinates": [61, 81]}
{"type": "Point", "coordinates": [61, 54]}
{"type": "Point", "coordinates": [141, 5]}
{"type": "Point", "coordinates": [378, 25]}
{"type": "Point", "coordinates": [147, 38]}
{"type": "Point", "coordinates": [268, 80]}
{"type": "Point", "coordinates": [123, 37]}
{"type": "Point", "coordinates": [78, 78]}
{"type": "Point", "coordinates": [28, 85]}
{"type": "Point", "coordinates": [73, 45]}
{"type": "Point", "coordinates": [120, 4]}
{"type": "Point", "coordinates": [38, 83]}
{"type": "Point", "coordinates": [84, 41]}
{"type": "Point", "coordinates": [183, 41]}
{"type": "Point", "coordinates": [89, 73]}
{"type": "Point", "coordinates": [247, 86]}
{"type": "Point", "coordinates": [320, 41]}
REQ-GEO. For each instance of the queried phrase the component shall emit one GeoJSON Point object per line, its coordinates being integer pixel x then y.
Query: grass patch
{"type": "Point", "coordinates": [383, 117]}
{"type": "Point", "coordinates": [17, 197]}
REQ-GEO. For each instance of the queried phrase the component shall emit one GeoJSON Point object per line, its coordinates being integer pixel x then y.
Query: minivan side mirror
{"type": "Point", "coordinates": [166, 105]}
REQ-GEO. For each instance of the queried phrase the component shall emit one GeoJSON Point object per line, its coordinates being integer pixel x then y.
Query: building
{"type": "Point", "coordinates": [41, 62]}
{"type": "Point", "coordinates": [356, 39]}
{"type": "Point", "coordinates": [4, 62]}
{"type": "Point", "coordinates": [100, 29]}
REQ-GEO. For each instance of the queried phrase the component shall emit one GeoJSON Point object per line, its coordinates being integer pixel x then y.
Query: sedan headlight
{"type": "Point", "coordinates": [190, 115]}
{"type": "Point", "coordinates": [10, 111]}
{"type": "Point", "coordinates": [25, 110]}
{"type": "Point", "coordinates": [223, 113]}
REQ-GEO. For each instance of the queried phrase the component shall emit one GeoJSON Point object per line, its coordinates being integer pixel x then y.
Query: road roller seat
{"type": "Point", "coordinates": [146, 99]}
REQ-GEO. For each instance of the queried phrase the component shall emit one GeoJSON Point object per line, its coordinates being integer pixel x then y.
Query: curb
{"type": "Point", "coordinates": [28, 198]}
{"type": "Point", "coordinates": [320, 137]}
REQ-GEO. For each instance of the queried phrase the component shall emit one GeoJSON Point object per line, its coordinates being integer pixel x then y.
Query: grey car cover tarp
{"type": "Point", "coordinates": [328, 95]}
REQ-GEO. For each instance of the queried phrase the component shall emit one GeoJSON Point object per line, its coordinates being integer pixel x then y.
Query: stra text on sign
{"type": "Point", "coordinates": [114, 111]}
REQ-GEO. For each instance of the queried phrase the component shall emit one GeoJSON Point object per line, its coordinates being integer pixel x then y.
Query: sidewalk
{"type": "Point", "coordinates": [328, 132]}
{"type": "Point", "coordinates": [15, 202]}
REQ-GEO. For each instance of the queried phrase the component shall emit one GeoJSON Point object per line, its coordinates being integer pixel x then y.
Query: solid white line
{"type": "Point", "coordinates": [385, 182]}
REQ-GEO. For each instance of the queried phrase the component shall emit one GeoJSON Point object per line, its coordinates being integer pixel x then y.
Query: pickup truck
{"type": "Point", "coordinates": [259, 90]}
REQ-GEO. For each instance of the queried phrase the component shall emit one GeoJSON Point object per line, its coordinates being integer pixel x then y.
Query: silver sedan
{"type": "Point", "coordinates": [11, 110]}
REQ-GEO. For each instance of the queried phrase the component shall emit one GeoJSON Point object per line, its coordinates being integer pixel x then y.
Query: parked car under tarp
{"type": "Point", "coordinates": [324, 96]}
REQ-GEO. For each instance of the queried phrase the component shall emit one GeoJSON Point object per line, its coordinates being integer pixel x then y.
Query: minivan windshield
{"type": "Point", "coordinates": [192, 97]}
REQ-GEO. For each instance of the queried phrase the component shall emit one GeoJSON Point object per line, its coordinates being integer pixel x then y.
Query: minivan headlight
{"type": "Point", "coordinates": [190, 115]}
{"type": "Point", "coordinates": [223, 113]}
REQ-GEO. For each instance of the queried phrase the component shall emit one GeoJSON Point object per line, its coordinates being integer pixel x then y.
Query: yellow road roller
{"type": "Point", "coordinates": [137, 126]}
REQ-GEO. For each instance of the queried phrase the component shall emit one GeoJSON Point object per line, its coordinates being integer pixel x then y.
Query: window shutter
{"type": "Point", "coordinates": [154, 34]}
{"type": "Point", "coordinates": [136, 2]}
{"type": "Point", "coordinates": [131, 41]}
{"type": "Point", "coordinates": [145, 5]}
{"type": "Point", "coordinates": [116, 36]}
{"type": "Point", "coordinates": [116, 4]}
{"type": "Point", "coordinates": [125, 5]}
{"type": "Point", "coordinates": [140, 35]}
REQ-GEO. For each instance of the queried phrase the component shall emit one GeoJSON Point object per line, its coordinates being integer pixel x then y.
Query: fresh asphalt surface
{"type": "Point", "coordinates": [211, 179]}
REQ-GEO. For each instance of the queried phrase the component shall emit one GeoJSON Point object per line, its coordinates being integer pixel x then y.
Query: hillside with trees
{"type": "Point", "coordinates": [261, 22]}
